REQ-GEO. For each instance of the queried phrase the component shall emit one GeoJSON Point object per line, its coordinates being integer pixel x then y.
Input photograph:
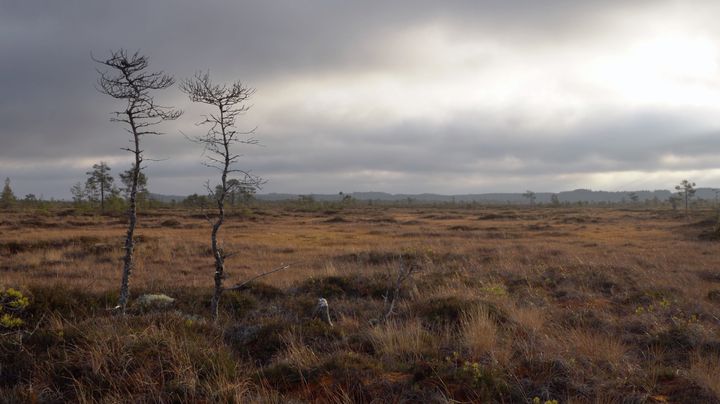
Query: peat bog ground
{"type": "Point", "coordinates": [505, 304]}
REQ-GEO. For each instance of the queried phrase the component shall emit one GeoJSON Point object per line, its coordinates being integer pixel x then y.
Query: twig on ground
{"type": "Point", "coordinates": [272, 271]}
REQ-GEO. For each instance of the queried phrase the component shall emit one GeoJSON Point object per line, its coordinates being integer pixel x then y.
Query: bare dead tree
{"type": "Point", "coordinates": [229, 102]}
{"type": "Point", "coordinates": [404, 272]}
{"type": "Point", "coordinates": [125, 77]}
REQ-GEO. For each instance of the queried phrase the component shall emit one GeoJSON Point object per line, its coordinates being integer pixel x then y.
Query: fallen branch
{"type": "Point", "coordinates": [37, 325]}
{"type": "Point", "coordinates": [272, 271]}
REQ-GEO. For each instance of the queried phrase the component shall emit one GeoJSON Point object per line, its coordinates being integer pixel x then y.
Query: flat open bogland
{"type": "Point", "coordinates": [505, 304]}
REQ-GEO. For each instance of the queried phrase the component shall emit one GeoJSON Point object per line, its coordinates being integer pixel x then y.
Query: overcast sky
{"type": "Point", "coordinates": [399, 96]}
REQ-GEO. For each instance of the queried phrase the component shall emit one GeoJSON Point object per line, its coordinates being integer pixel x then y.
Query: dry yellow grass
{"type": "Point", "coordinates": [403, 340]}
{"type": "Point", "coordinates": [705, 370]}
{"type": "Point", "coordinates": [531, 318]}
{"type": "Point", "coordinates": [177, 255]}
{"type": "Point", "coordinates": [596, 347]}
{"type": "Point", "coordinates": [297, 354]}
{"type": "Point", "coordinates": [478, 332]}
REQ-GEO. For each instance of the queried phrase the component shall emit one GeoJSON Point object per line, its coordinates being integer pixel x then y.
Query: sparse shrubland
{"type": "Point", "coordinates": [506, 305]}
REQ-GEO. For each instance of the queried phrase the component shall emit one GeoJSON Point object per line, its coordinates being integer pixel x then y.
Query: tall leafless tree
{"type": "Point", "coordinates": [125, 77]}
{"type": "Point", "coordinates": [229, 102]}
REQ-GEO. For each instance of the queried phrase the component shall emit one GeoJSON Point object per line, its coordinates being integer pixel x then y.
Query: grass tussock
{"type": "Point", "coordinates": [407, 340]}
{"type": "Point", "coordinates": [596, 347]}
{"type": "Point", "coordinates": [161, 358]}
{"type": "Point", "coordinates": [478, 332]}
{"type": "Point", "coordinates": [297, 354]}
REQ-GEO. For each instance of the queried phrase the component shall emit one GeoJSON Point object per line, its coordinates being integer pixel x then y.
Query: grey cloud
{"type": "Point", "coordinates": [49, 109]}
{"type": "Point", "coordinates": [636, 140]}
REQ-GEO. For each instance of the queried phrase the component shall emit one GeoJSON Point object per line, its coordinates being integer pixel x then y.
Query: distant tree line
{"type": "Point", "coordinates": [100, 189]}
{"type": "Point", "coordinates": [8, 200]}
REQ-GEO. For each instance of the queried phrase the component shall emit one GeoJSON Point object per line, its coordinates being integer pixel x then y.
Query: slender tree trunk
{"type": "Point", "coordinates": [219, 264]}
{"type": "Point", "coordinates": [229, 102]}
{"type": "Point", "coordinates": [128, 262]}
{"type": "Point", "coordinates": [102, 196]}
{"type": "Point", "coordinates": [217, 252]}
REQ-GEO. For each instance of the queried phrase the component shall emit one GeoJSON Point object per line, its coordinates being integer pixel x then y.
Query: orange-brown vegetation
{"type": "Point", "coordinates": [510, 304]}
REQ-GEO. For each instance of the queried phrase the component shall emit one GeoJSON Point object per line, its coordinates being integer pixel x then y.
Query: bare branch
{"type": "Point", "coordinates": [272, 271]}
{"type": "Point", "coordinates": [403, 274]}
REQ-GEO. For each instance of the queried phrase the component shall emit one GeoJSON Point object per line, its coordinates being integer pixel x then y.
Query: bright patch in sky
{"type": "Point", "coordinates": [435, 74]}
{"type": "Point", "coordinates": [663, 70]}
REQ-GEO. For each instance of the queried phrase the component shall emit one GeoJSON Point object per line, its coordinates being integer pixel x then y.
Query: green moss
{"type": "Point", "coordinates": [9, 321]}
{"type": "Point", "coordinates": [13, 305]}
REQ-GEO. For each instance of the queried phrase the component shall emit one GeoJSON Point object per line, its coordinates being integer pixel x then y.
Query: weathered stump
{"type": "Point", "coordinates": [322, 311]}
